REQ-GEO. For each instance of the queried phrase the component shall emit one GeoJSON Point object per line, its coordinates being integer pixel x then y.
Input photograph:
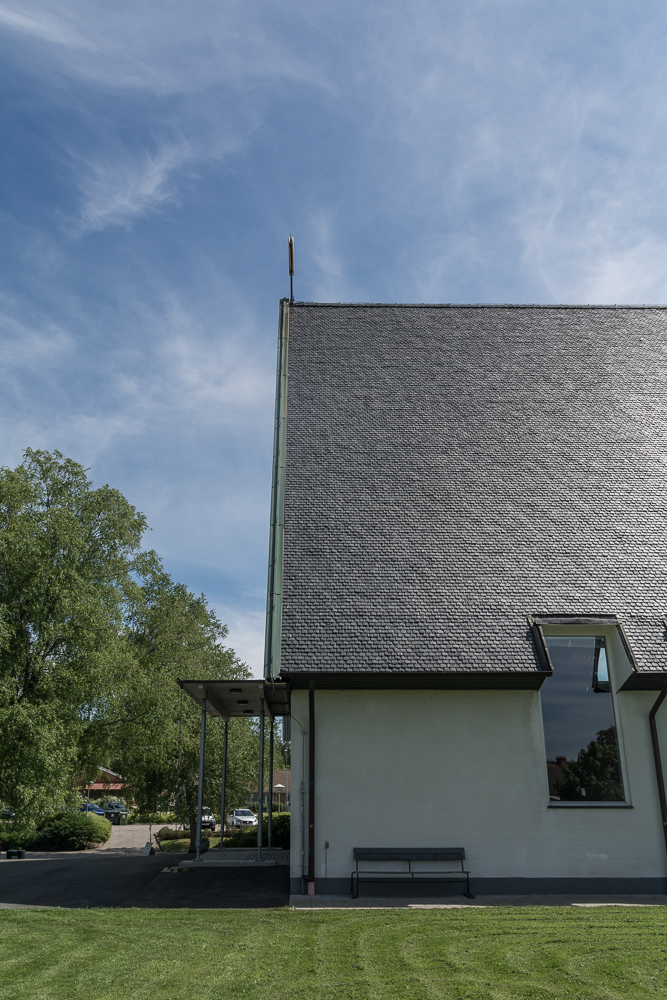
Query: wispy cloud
{"type": "Point", "coordinates": [165, 48]}
{"type": "Point", "coordinates": [621, 267]}
{"type": "Point", "coordinates": [118, 192]}
{"type": "Point", "coordinates": [35, 21]}
{"type": "Point", "coordinates": [328, 281]}
{"type": "Point", "coordinates": [246, 635]}
{"type": "Point", "coordinates": [195, 88]}
{"type": "Point", "coordinates": [180, 367]}
{"type": "Point", "coordinates": [205, 356]}
{"type": "Point", "coordinates": [176, 412]}
{"type": "Point", "coordinates": [631, 274]}
{"type": "Point", "coordinates": [26, 344]}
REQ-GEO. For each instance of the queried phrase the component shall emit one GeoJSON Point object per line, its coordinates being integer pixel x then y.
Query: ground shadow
{"type": "Point", "coordinates": [86, 881]}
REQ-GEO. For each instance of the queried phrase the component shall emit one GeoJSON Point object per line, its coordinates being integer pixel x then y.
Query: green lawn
{"type": "Point", "coordinates": [509, 953]}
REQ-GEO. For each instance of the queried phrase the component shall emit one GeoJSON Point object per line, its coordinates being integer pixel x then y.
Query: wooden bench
{"type": "Point", "coordinates": [409, 855]}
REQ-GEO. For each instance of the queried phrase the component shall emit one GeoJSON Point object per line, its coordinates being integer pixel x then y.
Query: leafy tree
{"type": "Point", "coordinates": [69, 561]}
{"type": "Point", "coordinates": [596, 771]}
{"type": "Point", "coordinates": [174, 635]}
{"type": "Point", "coordinates": [93, 636]}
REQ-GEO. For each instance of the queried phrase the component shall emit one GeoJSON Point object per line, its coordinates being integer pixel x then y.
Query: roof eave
{"type": "Point", "coordinates": [424, 680]}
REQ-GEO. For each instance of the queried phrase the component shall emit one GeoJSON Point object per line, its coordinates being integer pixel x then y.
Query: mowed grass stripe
{"type": "Point", "coordinates": [540, 953]}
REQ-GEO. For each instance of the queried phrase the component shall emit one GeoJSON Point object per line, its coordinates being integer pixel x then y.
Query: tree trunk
{"type": "Point", "coordinates": [192, 822]}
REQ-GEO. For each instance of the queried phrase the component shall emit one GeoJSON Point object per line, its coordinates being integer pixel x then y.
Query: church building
{"type": "Point", "coordinates": [468, 590]}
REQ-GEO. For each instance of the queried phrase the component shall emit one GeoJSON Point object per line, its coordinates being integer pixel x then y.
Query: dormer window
{"type": "Point", "coordinates": [583, 763]}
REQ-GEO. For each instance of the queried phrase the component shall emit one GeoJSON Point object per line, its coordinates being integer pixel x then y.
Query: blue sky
{"type": "Point", "coordinates": [156, 156]}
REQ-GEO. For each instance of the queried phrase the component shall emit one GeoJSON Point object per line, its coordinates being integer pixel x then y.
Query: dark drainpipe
{"type": "Point", "coordinates": [658, 762]}
{"type": "Point", "coordinates": [310, 878]}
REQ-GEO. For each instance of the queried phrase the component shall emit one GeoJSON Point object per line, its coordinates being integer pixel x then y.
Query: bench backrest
{"type": "Point", "coordinates": [408, 853]}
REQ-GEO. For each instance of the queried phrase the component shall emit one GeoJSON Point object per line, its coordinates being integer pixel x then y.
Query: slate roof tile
{"type": "Point", "coordinates": [452, 469]}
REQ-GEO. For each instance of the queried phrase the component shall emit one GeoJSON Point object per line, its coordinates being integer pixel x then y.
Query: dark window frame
{"type": "Point", "coordinates": [597, 684]}
{"type": "Point", "coordinates": [589, 623]}
{"type": "Point", "coordinates": [537, 622]}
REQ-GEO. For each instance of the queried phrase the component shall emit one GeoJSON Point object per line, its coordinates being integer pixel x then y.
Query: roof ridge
{"type": "Point", "coordinates": [464, 305]}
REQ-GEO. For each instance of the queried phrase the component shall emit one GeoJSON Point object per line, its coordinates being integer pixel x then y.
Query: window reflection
{"type": "Point", "coordinates": [579, 726]}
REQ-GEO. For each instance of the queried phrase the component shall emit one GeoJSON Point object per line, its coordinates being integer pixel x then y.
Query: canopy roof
{"type": "Point", "coordinates": [244, 698]}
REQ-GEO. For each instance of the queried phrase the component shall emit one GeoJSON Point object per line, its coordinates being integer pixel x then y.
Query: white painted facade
{"type": "Point", "coordinates": [467, 768]}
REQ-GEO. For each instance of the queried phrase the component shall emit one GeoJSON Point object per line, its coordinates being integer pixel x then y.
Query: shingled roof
{"type": "Point", "coordinates": [451, 470]}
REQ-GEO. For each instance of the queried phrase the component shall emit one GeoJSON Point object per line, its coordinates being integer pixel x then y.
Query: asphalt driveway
{"type": "Point", "coordinates": [101, 878]}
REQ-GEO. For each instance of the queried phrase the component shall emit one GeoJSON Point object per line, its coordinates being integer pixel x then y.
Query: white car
{"type": "Point", "coordinates": [207, 820]}
{"type": "Point", "coordinates": [242, 818]}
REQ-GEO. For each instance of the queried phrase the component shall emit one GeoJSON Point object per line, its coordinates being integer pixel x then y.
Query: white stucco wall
{"type": "Point", "coordinates": [467, 768]}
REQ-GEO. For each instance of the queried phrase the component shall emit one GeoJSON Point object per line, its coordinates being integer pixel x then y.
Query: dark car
{"type": "Point", "coordinates": [92, 808]}
{"type": "Point", "coordinates": [8, 813]}
{"type": "Point", "coordinates": [114, 805]}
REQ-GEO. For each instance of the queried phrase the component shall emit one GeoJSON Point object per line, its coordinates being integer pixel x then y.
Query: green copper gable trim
{"type": "Point", "coordinates": [274, 597]}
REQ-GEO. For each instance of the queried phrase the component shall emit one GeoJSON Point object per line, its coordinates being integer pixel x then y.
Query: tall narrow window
{"type": "Point", "coordinates": [579, 726]}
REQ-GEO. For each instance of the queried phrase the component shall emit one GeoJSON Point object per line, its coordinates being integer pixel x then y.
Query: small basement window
{"type": "Point", "coordinates": [579, 725]}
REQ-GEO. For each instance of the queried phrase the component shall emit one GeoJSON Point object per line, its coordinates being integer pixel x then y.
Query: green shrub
{"type": "Point", "coordinates": [168, 833]}
{"type": "Point", "coordinates": [243, 839]}
{"type": "Point", "coordinates": [280, 831]}
{"type": "Point", "coordinates": [11, 840]}
{"type": "Point", "coordinates": [72, 831]}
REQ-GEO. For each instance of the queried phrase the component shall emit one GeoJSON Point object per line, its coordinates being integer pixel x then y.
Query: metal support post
{"type": "Point", "coordinates": [311, 789]}
{"type": "Point", "coordinates": [200, 790]}
{"type": "Point", "coordinates": [260, 797]}
{"type": "Point", "coordinates": [178, 763]}
{"type": "Point", "coordinates": [270, 813]}
{"type": "Point", "coordinates": [223, 795]}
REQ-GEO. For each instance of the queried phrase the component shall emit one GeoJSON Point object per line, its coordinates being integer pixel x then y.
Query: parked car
{"type": "Point", "coordinates": [116, 812]}
{"type": "Point", "coordinates": [207, 820]}
{"type": "Point", "coordinates": [8, 813]}
{"type": "Point", "coordinates": [242, 818]}
{"type": "Point", "coordinates": [92, 808]}
{"type": "Point", "coordinates": [116, 806]}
